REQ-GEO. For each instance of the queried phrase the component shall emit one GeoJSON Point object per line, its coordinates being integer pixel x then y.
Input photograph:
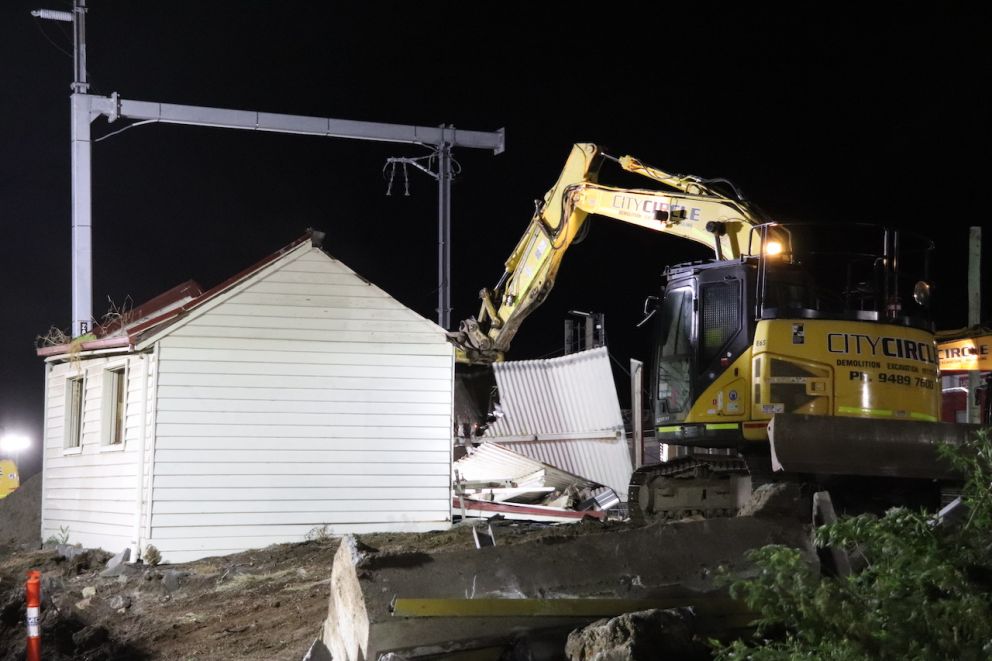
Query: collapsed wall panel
{"type": "Point", "coordinates": [565, 412]}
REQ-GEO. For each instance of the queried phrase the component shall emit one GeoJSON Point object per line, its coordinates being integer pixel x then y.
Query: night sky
{"type": "Point", "coordinates": [827, 116]}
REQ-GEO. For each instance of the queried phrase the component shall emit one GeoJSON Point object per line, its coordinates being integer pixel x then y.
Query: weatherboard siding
{"type": "Point", "coordinates": [306, 398]}
{"type": "Point", "coordinates": [89, 495]}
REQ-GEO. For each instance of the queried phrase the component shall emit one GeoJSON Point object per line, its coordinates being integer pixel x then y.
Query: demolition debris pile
{"type": "Point", "coordinates": [274, 602]}
{"type": "Point", "coordinates": [20, 515]}
{"type": "Point", "coordinates": [416, 604]}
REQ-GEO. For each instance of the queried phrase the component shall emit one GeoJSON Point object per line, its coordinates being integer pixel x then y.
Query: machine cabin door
{"type": "Point", "coordinates": [703, 326]}
{"type": "Point", "coordinates": [723, 328]}
{"type": "Point", "coordinates": [671, 382]}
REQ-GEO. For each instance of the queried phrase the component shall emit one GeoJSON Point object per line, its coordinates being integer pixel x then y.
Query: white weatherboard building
{"type": "Point", "coordinates": [295, 395]}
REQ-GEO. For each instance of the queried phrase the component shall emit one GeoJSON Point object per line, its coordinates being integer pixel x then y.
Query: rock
{"type": "Point", "coordinates": [645, 635]}
{"type": "Point", "coordinates": [170, 580]}
{"type": "Point", "coordinates": [778, 500]}
{"type": "Point", "coordinates": [51, 585]}
{"type": "Point", "coordinates": [68, 551]}
{"type": "Point", "coordinates": [89, 637]}
{"type": "Point", "coordinates": [82, 563]}
{"type": "Point", "coordinates": [12, 609]}
{"type": "Point", "coordinates": [83, 604]}
{"type": "Point", "coordinates": [317, 652]}
{"type": "Point", "coordinates": [121, 569]}
{"type": "Point", "coordinates": [89, 591]}
{"type": "Point", "coordinates": [120, 558]}
{"type": "Point", "coordinates": [120, 602]}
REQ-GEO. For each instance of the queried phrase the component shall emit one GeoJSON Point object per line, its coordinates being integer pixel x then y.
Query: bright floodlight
{"type": "Point", "coordinates": [773, 248]}
{"type": "Point", "coordinates": [14, 442]}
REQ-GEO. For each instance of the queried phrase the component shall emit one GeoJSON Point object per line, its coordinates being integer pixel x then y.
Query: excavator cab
{"type": "Point", "coordinates": [817, 320]}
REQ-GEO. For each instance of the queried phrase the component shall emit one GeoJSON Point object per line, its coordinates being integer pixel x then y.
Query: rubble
{"type": "Point", "coordinates": [448, 600]}
{"type": "Point", "coordinates": [116, 562]}
{"type": "Point", "coordinates": [778, 500]}
{"type": "Point", "coordinates": [68, 551]}
{"type": "Point", "coordinates": [492, 481]}
{"type": "Point", "coordinates": [20, 514]}
{"type": "Point", "coordinates": [509, 587]}
{"type": "Point", "coordinates": [651, 635]}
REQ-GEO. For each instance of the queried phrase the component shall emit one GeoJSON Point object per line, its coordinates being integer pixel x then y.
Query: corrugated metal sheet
{"type": "Point", "coordinates": [493, 462]}
{"type": "Point", "coordinates": [565, 412]}
{"type": "Point", "coordinates": [565, 396]}
{"type": "Point", "coordinates": [606, 461]}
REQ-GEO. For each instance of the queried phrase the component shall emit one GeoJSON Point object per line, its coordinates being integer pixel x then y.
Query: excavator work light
{"type": "Point", "coordinates": [773, 248]}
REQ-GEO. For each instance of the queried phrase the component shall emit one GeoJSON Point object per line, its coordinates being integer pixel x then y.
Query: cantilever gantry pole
{"type": "Point", "coordinates": [87, 107]}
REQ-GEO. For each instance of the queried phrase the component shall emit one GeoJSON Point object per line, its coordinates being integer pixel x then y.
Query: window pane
{"type": "Point", "coordinates": [673, 353]}
{"type": "Point", "coordinates": [117, 432]}
{"type": "Point", "coordinates": [73, 412]}
{"type": "Point", "coordinates": [720, 319]}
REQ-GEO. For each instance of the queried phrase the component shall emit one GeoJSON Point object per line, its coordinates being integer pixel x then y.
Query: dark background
{"type": "Point", "coordinates": [827, 116]}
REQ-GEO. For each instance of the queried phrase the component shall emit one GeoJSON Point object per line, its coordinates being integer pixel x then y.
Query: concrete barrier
{"type": "Point", "coordinates": [469, 599]}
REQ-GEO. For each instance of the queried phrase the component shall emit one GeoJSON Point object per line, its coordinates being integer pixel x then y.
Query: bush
{"type": "Point", "coordinates": [151, 556]}
{"type": "Point", "coordinates": [923, 591]}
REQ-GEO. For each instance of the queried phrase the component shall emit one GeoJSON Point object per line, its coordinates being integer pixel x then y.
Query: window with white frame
{"type": "Point", "coordinates": [73, 412]}
{"type": "Point", "coordinates": [114, 397]}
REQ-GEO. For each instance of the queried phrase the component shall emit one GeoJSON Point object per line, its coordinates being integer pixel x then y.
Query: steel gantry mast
{"type": "Point", "coordinates": [88, 107]}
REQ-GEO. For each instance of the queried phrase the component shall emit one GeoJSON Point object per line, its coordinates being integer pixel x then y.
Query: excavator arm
{"type": "Point", "coordinates": [693, 210]}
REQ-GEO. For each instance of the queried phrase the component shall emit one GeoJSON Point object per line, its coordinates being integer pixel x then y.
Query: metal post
{"type": "Point", "coordinates": [82, 206]}
{"type": "Point", "coordinates": [79, 84]}
{"type": "Point", "coordinates": [636, 416]}
{"type": "Point", "coordinates": [444, 176]}
{"type": "Point", "coordinates": [974, 314]}
{"type": "Point", "coordinates": [82, 210]}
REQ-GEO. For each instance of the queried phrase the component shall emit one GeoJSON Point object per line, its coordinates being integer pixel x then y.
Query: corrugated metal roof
{"type": "Point", "coordinates": [489, 462]}
{"type": "Point", "coordinates": [115, 333]}
{"type": "Point", "coordinates": [569, 396]}
{"type": "Point", "coordinates": [565, 412]}
{"type": "Point", "coordinates": [165, 308]}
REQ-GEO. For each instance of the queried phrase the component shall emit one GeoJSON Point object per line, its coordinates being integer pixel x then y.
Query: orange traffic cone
{"type": "Point", "coordinates": [33, 589]}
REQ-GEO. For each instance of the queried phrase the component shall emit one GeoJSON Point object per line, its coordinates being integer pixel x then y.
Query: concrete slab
{"type": "Point", "coordinates": [656, 562]}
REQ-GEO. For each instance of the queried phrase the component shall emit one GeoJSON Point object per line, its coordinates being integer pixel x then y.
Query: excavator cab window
{"type": "Point", "coordinates": [701, 330]}
{"type": "Point", "coordinates": [850, 271]}
{"type": "Point", "coordinates": [674, 353]}
{"type": "Point", "coordinates": [720, 318]}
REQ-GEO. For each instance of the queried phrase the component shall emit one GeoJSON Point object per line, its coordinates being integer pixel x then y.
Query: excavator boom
{"type": "Point", "coordinates": [690, 210]}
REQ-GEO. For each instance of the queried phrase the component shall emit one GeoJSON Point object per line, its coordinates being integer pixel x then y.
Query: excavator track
{"type": "Point", "coordinates": [705, 485]}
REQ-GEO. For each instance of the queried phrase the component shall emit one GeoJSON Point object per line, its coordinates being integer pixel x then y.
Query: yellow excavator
{"type": "Point", "coordinates": [806, 348]}
{"type": "Point", "coordinates": [9, 478]}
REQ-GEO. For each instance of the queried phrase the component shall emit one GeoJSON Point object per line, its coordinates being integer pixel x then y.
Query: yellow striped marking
{"type": "Point", "coordinates": [857, 410]}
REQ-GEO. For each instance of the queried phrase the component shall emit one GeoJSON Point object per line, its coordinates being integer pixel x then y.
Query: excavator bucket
{"type": "Point", "coordinates": [833, 445]}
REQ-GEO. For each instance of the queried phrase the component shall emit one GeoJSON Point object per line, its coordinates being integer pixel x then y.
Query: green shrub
{"type": "Point", "coordinates": [922, 590]}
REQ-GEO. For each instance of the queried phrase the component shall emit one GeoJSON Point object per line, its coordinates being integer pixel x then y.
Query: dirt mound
{"type": "Point", "coordinates": [20, 515]}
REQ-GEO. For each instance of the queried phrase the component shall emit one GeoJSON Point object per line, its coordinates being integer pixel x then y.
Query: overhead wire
{"type": "Point", "coordinates": [37, 23]}
{"type": "Point", "coordinates": [129, 126]}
